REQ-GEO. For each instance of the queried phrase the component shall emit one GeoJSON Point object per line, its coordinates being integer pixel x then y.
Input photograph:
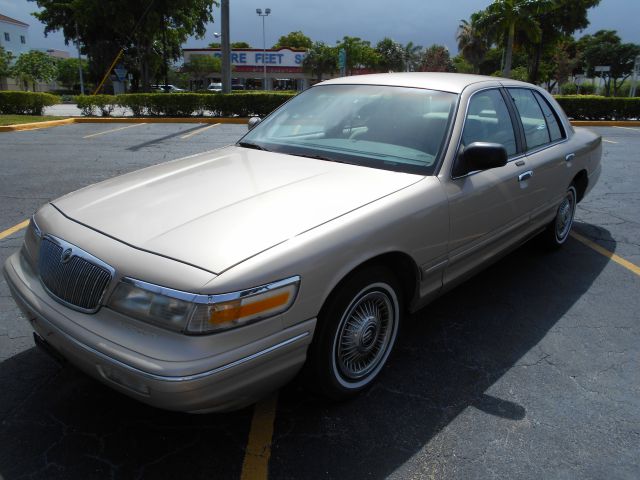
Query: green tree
{"type": "Point", "coordinates": [360, 53]}
{"type": "Point", "coordinates": [472, 44]}
{"type": "Point", "coordinates": [412, 56]}
{"type": "Point", "coordinates": [436, 58]}
{"type": "Point", "coordinates": [558, 22]}
{"type": "Point", "coordinates": [151, 31]}
{"type": "Point", "coordinates": [33, 67]}
{"type": "Point", "coordinates": [294, 40]}
{"type": "Point", "coordinates": [604, 48]}
{"type": "Point", "coordinates": [68, 72]}
{"type": "Point", "coordinates": [320, 59]}
{"type": "Point", "coordinates": [201, 66]}
{"type": "Point", "coordinates": [5, 62]}
{"type": "Point", "coordinates": [501, 20]}
{"type": "Point", "coordinates": [462, 65]}
{"type": "Point", "coordinates": [391, 55]}
{"type": "Point", "coordinates": [233, 45]}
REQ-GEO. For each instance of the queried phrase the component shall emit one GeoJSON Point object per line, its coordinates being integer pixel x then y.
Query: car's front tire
{"type": "Point", "coordinates": [356, 331]}
{"type": "Point", "coordinates": [557, 232]}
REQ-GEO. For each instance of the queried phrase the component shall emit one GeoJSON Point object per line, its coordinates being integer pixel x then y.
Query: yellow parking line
{"type": "Point", "coordinates": [113, 130]}
{"type": "Point", "coordinates": [603, 251]}
{"type": "Point", "coordinates": [608, 141]}
{"type": "Point", "coordinates": [200, 130]}
{"type": "Point", "coordinates": [256, 457]}
{"type": "Point", "coordinates": [14, 229]}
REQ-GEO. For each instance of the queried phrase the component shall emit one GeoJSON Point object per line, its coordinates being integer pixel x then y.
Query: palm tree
{"type": "Point", "coordinates": [471, 43]}
{"type": "Point", "coordinates": [502, 18]}
{"type": "Point", "coordinates": [412, 54]}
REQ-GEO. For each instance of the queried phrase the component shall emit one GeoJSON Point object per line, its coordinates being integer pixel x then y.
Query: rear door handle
{"type": "Point", "coordinates": [525, 175]}
{"type": "Point", "coordinates": [570, 157]}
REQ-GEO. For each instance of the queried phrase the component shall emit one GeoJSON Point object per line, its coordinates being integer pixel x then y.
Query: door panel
{"type": "Point", "coordinates": [487, 208]}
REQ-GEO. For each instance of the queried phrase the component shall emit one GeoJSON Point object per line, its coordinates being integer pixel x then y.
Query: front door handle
{"type": "Point", "coordinates": [525, 175]}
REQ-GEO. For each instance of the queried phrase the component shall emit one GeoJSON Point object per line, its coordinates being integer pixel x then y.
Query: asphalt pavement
{"type": "Point", "coordinates": [529, 370]}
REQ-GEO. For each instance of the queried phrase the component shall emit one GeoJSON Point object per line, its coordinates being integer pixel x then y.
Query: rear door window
{"type": "Point", "coordinates": [533, 120]}
{"type": "Point", "coordinates": [555, 131]}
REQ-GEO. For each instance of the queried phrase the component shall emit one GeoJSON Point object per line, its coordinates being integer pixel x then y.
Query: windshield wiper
{"type": "Point", "coordinates": [255, 146]}
{"type": "Point", "coordinates": [318, 157]}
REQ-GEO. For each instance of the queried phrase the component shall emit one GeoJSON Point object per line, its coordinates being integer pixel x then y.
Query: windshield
{"type": "Point", "coordinates": [393, 128]}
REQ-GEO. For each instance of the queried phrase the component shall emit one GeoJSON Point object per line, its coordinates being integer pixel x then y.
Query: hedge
{"type": "Point", "coordinates": [591, 107]}
{"type": "Point", "coordinates": [241, 104]}
{"type": "Point", "coordinates": [25, 103]}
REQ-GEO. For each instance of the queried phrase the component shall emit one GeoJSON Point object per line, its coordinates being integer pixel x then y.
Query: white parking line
{"type": "Point", "coordinates": [200, 130]}
{"type": "Point", "coordinates": [608, 141]}
{"type": "Point", "coordinates": [628, 128]}
{"type": "Point", "coordinates": [113, 130]}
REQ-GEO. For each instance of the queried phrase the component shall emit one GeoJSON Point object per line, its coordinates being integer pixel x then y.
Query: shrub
{"type": "Point", "coordinates": [591, 107]}
{"type": "Point", "coordinates": [242, 104]}
{"type": "Point", "coordinates": [568, 89]}
{"type": "Point", "coordinates": [91, 104]}
{"type": "Point", "coordinates": [25, 103]}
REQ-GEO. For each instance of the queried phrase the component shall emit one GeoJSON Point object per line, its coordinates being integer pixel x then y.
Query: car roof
{"type": "Point", "coordinates": [446, 82]}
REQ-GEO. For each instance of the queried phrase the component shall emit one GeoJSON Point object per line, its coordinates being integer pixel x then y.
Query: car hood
{"type": "Point", "coordinates": [215, 210]}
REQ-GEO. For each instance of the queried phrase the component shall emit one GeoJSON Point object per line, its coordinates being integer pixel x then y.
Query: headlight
{"type": "Point", "coordinates": [136, 300]}
{"type": "Point", "coordinates": [31, 245]}
{"type": "Point", "coordinates": [201, 314]}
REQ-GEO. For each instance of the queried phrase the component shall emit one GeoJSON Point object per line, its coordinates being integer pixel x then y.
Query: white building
{"type": "Point", "coordinates": [14, 38]}
{"type": "Point", "coordinates": [14, 35]}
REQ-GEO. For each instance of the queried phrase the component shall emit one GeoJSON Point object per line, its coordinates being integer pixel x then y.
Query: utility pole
{"type": "Point", "coordinates": [79, 59]}
{"type": "Point", "coordinates": [226, 48]}
{"type": "Point", "coordinates": [267, 11]}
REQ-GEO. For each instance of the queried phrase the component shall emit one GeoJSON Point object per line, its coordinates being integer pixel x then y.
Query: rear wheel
{"type": "Point", "coordinates": [356, 332]}
{"type": "Point", "coordinates": [558, 230]}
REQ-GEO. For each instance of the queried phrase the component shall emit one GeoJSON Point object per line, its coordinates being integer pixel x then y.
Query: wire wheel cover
{"type": "Point", "coordinates": [365, 334]}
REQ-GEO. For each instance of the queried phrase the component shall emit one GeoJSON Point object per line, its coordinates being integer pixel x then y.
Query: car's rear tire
{"type": "Point", "coordinates": [355, 334]}
{"type": "Point", "coordinates": [557, 232]}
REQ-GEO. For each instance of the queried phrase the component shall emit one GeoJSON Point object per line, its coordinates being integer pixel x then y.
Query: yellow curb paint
{"type": "Point", "coordinates": [258, 451]}
{"type": "Point", "coordinates": [36, 125]}
{"type": "Point", "coordinates": [113, 130]}
{"type": "Point", "coordinates": [605, 123]}
{"type": "Point", "coordinates": [608, 141]}
{"type": "Point", "coordinates": [14, 229]}
{"type": "Point", "coordinates": [603, 251]}
{"type": "Point", "coordinates": [200, 130]}
{"type": "Point", "coordinates": [235, 120]}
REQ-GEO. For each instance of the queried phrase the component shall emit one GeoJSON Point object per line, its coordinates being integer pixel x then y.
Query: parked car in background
{"type": "Point", "coordinates": [167, 89]}
{"type": "Point", "coordinates": [215, 87]}
{"type": "Point", "coordinates": [204, 283]}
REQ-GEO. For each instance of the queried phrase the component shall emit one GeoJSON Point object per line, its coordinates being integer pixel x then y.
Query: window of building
{"type": "Point", "coordinates": [7, 37]}
{"type": "Point", "coordinates": [23, 40]}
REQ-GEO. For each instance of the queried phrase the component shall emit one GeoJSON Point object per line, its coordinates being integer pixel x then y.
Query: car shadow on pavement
{"type": "Point", "coordinates": [447, 357]}
{"type": "Point", "coordinates": [57, 423]}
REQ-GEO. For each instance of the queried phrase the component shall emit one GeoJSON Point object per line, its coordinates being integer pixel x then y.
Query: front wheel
{"type": "Point", "coordinates": [356, 332]}
{"type": "Point", "coordinates": [558, 230]}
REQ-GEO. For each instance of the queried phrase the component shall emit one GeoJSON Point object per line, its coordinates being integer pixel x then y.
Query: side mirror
{"type": "Point", "coordinates": [253, 121]}
{"type": "Point", "coordinates": [480, 156]}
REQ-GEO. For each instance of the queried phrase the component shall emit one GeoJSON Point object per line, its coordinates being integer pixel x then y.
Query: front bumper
{"type": "Point", "coordinates": [230, 380]}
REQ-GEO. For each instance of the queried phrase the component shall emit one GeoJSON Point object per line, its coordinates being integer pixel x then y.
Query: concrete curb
{"type": "Point", "coordinates": [69, 121]}
{"type": "Point", "coordinates": [235, 120]}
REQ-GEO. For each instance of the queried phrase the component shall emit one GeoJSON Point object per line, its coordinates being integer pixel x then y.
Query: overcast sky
{"type": "Point", "coordinates": [422, 21]}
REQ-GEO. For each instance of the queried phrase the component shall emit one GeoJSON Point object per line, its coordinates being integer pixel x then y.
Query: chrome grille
{"type": "Point", "coordinates": [76, 282]}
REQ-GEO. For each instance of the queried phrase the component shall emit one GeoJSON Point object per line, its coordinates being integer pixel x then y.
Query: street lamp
{"type": "Point", "coordinates": [267, 11]}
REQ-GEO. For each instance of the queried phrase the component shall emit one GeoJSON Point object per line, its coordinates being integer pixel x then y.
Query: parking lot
{"type": "Point", "coordinates": [529, 370]}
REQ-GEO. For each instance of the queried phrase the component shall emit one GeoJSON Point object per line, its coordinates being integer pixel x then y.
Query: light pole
{"type": "Point", "coordinates": [267, 11]}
